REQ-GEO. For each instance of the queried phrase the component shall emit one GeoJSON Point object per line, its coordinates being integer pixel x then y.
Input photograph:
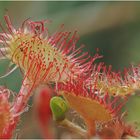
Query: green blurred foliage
{"type": "Point", "coordinates": [113, 27]}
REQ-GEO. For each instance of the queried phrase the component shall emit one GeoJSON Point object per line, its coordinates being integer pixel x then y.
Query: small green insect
{"type": "Point", "coordinates": [59, 107]}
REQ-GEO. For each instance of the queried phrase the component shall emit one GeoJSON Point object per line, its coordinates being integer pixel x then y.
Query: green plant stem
{"type": "Point", "coordinates": [73, 128]}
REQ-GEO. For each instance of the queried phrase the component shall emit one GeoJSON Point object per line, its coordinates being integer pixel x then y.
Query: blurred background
{"type": "Point", "coordinates": [113, 27]}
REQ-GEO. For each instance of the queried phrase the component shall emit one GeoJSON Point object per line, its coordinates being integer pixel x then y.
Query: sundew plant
{"type": "Point", "coordinates": [67, 82]}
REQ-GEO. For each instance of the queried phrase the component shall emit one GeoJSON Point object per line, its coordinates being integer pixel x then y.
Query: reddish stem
{"type": "Point", "coordinates": [18, 107]}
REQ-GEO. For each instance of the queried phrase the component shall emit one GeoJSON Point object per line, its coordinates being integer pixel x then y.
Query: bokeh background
{"type": "Point", "coordinates": [113, 27]}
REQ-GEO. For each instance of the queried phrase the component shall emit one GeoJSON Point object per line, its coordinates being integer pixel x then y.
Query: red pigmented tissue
{"type": "Point", "coordinates": [43, 112]}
